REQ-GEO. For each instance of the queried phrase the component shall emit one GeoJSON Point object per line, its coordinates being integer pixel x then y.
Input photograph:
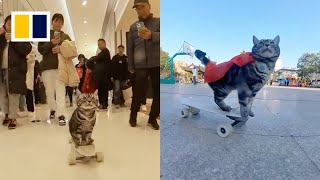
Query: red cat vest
{"type": "Point", "coordinates": [214, 72]}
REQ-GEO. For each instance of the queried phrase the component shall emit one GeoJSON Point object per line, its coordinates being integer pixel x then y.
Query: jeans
{"type": "Point", "coordinates": [194, 80]}
{"type": "Point", "coordinates": [117, 91]}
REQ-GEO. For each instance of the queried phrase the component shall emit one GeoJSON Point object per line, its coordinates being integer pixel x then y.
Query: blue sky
{"type": "Point", "coordinates": [223, 28]}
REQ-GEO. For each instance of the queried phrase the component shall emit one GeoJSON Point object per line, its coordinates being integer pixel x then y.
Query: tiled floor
{"type": "Point", "coordinates": [281, 142]}
{"type": "Point", "coordinates": [39, 151]}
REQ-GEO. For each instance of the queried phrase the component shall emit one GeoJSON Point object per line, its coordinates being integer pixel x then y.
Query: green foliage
{"type": "Point", "coordinates": [308, 63]}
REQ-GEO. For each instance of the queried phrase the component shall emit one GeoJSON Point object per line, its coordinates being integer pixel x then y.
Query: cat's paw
{"type": "Point", "coordinates": [199, 54]}
{"type": "Point", "coordinates": [251, 114]}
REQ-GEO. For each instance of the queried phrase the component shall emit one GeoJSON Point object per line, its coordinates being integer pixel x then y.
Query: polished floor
{"type": "Point", "coordinates": [39, 151]}
{"type": "Point", "coordinates": [281, 142]}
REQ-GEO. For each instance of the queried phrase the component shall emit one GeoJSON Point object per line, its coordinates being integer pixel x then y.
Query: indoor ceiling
{"type": "Point", "coordinates": [83, 21]}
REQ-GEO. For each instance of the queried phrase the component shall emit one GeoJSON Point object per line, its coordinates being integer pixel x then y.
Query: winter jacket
{"type": "Point", "coordinates": [17, 64]}
{"type": "Point", "coordinates": [119, 67]}
{"type": "Point", "coordinates": [50, 60]}
{"type": "Point", "coordinates": [144, 53]}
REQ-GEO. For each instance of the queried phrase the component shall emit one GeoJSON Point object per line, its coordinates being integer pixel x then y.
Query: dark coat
{"type": "Point", "coordinates": [101, 68]}
{"type": "Point", "coordinates": [17, 64]}
{"type": "Point", "coordinates": [144, 53]}
{"type": "Point", "coordinates": [119, 67]}
{"type": "Point", "coordinates": [84, 68]}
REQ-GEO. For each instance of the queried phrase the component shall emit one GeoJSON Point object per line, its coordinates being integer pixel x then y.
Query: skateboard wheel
{"type": "Point", "coordinates": [72, 160]}
{"type": "Point", "coordinates": [185, 112]}
{"type": "Point", "coordinates": [99, 156]}
{"type": "Point", "coordinates": [224, 130]}
{"type": "Point", "coordinates": [194, 111]}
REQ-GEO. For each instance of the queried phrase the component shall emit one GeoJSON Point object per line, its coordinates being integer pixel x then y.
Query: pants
{"type": "Point", "coordinates": [69, 91]}
{"type": "Point", "coordinates": [139, 91]}
{"type": "Point", "coordinates": [29, 100]}
{"type": "Point", "coordinates": [117, 92]}
{"type": "Point", "coordinates": [9, 102]}
{"type": "Point", "coordinates": [36, 92]}
{"type": "Point", "coordinates": [144, 102]}
{"type": "Point", "coordinates": [194, 80]}
{"type": "Point", "coordinates": [54, 88]}
{"type": "Point", "coordinates": [103, 94]}
{"type": "Point", "coordinates": [22, 102]}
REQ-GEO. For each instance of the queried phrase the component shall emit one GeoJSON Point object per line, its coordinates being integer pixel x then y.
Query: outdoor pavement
{"type": "Point", "coordinates": [281, 142]}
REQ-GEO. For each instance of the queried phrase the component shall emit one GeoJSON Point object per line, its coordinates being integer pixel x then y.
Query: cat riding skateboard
{"type": "Point", "coordinates": [191, 106]}
{"type": "Point", "coordinates": [84, 153]}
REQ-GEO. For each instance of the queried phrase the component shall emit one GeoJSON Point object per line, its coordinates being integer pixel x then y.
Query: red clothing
{"type": "Point", "coordinates": [215, 72]}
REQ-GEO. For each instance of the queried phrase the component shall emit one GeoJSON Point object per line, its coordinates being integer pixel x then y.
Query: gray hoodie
{"type": "Point", "coordinates": [144, 53]}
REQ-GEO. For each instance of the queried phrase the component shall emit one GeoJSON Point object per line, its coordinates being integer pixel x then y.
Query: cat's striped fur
{"type": "Point", "coordinates": [248, 79]}
{"type": "Point", "coordinates": [83, 119]}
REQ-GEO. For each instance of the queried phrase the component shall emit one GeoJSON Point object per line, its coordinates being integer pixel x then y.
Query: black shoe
{"type": "Point", "coordinates": [52, 114]}
{"type": "Point", "coordinates": [133, 120]}
{"type": "Point", "coordinates": [154, 125]}
{"type": "Point", "coordinates": [62, 121]}
{"type": "Point", "coordinates": [103, 108]}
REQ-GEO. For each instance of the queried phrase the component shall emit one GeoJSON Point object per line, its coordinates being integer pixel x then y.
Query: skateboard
{"type": "Point", "coordinates": [192, 106]}
{"type": "Point", "coordinates": [83, 153]}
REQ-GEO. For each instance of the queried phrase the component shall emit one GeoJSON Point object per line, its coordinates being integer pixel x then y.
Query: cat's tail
{"type": "Point", "coordinates": [201, 56]}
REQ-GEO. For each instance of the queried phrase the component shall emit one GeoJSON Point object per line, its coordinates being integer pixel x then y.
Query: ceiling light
{"type": "Point", "coordinates": [85, 34]}
{"type": "Point", "coordinates": [85, 44]}
{"type": "Point", "coordinates": [84, 3]}
{"type": "Point", "coordinates": [85, 22]}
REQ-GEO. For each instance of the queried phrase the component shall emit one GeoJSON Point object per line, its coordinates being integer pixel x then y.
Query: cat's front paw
{"type": "Point", "coordinates": [251, 114]}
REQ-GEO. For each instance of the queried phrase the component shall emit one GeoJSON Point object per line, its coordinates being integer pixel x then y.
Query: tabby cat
{"type": "Point", "coordinates": [248, 79]}
{"type": "Point", "coordinates": [83, 119]}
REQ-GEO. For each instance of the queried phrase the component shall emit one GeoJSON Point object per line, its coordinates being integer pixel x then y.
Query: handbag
{"type": "Point", "coordinates": [88, 85]}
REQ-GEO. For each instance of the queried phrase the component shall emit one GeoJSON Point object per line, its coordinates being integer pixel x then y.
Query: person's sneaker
{"type": "Point", "coordinates": [143, 108]}
{"type": "Point", "coordinates": [71, 104]}
{"type": "Point", "coordinates": [103, 108]}
{"type": "Point", "coordinates": [6, 121]}
{"type": "Point", "coordinates": [117, 106]}
{"type": "Point", "coordinates": [133, 120]}
{"type": "Point", "coordinates": [154, 125]}
{"type": "Point", "coordinates": [12, 124]}
{"type": "Point", "coordinates": [62, 121]}
{"type": "Point", "coordinates": [52, 115]}
{"type": "Point", "coordinates": [122, 105]}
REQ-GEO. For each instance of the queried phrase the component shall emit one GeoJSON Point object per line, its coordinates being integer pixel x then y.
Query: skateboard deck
{"type": "Point", "coordinates": [212, 108]}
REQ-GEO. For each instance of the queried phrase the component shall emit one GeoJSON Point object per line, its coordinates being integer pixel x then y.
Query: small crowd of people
{"type": "Point", "coordinates": [21, 75]}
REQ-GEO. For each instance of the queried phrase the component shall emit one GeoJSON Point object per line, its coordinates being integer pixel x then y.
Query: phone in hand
{"type": "Point", "coordinates": [56, 34]}
{"type": "Point", "coordinates": [140, 25]}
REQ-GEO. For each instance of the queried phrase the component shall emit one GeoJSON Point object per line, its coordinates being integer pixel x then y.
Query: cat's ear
{"type": "Point", "coordinates": [276, 40]}
{"type": "Point", "coordinates": [255, 40]}
{"type": "Point", "coordinates": [78, 92]}
{"type": "Point", "coordinates": [95, 93]}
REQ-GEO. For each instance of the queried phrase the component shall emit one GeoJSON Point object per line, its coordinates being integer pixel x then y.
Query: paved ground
{"type": "Point", "coordinates": [281, 142]}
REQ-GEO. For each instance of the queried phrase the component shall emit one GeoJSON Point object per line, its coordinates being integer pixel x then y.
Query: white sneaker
{"type": "Point", "coordinates": [143, 108]}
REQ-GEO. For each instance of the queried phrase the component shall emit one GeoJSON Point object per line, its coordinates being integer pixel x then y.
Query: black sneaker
{"type": "Point", "coordinates": [12, 124]}
{"type": "Point", "coordinates": [62, 121]}
{"type": "Point", "coordinates": [52, 115]}
{"type": "Point", "coordinates": [6, 120]}
{"type": "Point", "coordinates": [133, 120]}
{"type": "Point", "coordinates": [103, 108]}
{"type": "Point", "coordinates": [154, 125]}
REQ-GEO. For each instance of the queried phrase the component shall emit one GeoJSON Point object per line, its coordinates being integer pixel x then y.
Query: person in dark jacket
{"type": "Point", "coordinates": [81, 69]}
{"type": "Point", "coordinates": [119, 75]}
{"type": "Point", "coordinates": [54, 86]}
{"type": "Point", "coordinates": [36, 83]}
{"type": "Point", "coordinates": [13, 72]}
{"type": "Point", "coordinates": [101, 73]}
{"type": "Point", "coordinates": [144, 60]}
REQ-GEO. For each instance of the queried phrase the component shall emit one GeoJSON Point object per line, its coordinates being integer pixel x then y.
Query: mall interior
{"type": "Point", "coordinates": [39, 151]}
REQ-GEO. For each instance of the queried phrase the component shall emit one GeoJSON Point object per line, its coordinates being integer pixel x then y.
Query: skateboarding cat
{"type": "Point", "coordinates": [247, 73]}
{"type": "Point", "coordinates": [83, 119]}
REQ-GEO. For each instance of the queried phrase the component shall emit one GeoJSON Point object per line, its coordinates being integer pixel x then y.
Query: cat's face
{"type": "Point", "coordinates": [87, 101]}
{"type": "Point", "coordinates": [266, 50]}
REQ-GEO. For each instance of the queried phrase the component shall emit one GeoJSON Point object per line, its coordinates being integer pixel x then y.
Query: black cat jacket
{"type": "Point", "coordinates": [214, 72]}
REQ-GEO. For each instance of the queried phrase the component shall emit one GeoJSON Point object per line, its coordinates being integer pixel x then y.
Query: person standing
{"type": "Point", "coordinates": [119, 75]}
{"type": "Point", "coordinates": [101, 75]}
{"type": "Point", "coordinates": [194, 75]}
{"type": "Point", "coordinates": [53, 85]}
{"type": "Point", "coordinates": [81, 69]}
{"type": "Point", "coordinates": [144, 61]}
{"type": "Point", "coordinates": [36, 83]}
{"type": "Point", "coordinates": [13, 72]}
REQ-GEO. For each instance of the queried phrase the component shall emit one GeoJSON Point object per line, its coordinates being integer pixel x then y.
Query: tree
{"type": "Point", "coordinates": [308, 64]}
{"type": "Point", "coordinates": [164, 66]}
